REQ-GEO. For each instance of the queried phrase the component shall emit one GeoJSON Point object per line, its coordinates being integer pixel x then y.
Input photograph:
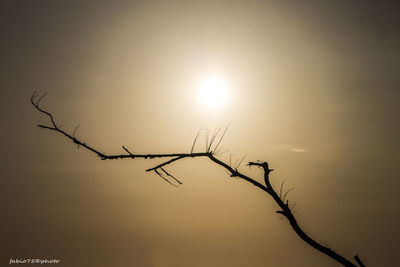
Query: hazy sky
{"type": "Point", "coordinates": [312, 87]}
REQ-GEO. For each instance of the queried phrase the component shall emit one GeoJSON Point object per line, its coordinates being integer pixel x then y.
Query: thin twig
{"type": "Point", "coordinates": [292, 208]}
{"type": "Point", "coordinates": [40, 99]}
{"type": "Point", "coordinates": [214, 135]}
{"type": "Point", "coordinates": [76, 128]}
{"type": "Point", "coordinates": [287, 192]}
{"type": "Point", "coordinates": [164, 163]}
{"type": "Point", "coordinates": [358, 260]}
{"type": "Point", "coordinates": [207, 131]}
{"type": "Point", "coordinates": [220, 150]}
{"type": "Point", "coordinates": [170, 175]}
{"type": "Point", "coordinates": [194, 142]}
{"type": "Point", "coordinates": [165, 179]}
{"type": "Point", "coordinates": [280, 190]}
{"type": "Point", "coordinates": [222, 136]}
{"type": "Point", "coordinates": [240, 162]}
{"type": "Point", "coordinates": [127, 151]}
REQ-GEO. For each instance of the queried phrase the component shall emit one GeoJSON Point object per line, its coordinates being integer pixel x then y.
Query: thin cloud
{"type": "Point", "coordinates": [292, 148]}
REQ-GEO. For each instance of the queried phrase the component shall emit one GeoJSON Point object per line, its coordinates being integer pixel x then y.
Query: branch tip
{"type": "Point", "coordinates": [358, 260]}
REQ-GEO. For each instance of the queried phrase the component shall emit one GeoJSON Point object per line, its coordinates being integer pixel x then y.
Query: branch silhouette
{"type": "Point", "coordinates": [212, 145]}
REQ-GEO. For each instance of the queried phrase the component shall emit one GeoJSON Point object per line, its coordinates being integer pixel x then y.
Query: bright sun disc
{"type": "Point", "coordinates": [212, 92]}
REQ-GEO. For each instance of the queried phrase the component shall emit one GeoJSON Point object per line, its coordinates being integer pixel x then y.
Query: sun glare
{"type": "Point", "coordinates": [212, 92]}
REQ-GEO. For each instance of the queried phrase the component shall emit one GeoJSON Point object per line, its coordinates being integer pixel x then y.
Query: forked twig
{"type": "Point", "coordinates": [165, 179]}
{"type": "Point", "coordinates": [173, 177]}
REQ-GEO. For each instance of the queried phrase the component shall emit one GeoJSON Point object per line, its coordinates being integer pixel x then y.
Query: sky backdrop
{"type": "Point", "coordinates": [313, 88]}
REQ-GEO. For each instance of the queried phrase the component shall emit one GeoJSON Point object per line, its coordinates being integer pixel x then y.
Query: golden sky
{"type": "Point", "coordinates": [310, 87]}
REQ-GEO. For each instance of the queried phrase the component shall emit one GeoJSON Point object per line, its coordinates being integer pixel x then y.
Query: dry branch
{"type": "Point", "coordinates": [285, 210]}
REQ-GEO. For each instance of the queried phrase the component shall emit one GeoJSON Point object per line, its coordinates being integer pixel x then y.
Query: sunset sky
{"type": "Point", "coordinates": [312, 87]}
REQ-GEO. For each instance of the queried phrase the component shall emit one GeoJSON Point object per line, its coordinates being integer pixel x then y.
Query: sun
{"type": "Point", "coordinates": [212, 92]}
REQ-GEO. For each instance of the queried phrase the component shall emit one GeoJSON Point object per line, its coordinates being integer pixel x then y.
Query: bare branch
{"type": "Point", "coordinates": [263, 165]}
{"type": "Point", "coordinates": [104, 156]}
{"type": "Point", "coordinates": [163, 164]}
{"type": "Point", "coordinates": [267, 188]}
{"type": "Point", "coordinates": [46, 127]}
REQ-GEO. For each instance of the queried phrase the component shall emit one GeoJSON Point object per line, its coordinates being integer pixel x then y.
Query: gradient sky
{"type": "Point", "coordinates": [314, 90]}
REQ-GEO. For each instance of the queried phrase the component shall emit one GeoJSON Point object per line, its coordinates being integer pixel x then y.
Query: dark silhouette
{"type": "Point", "coordinates": [212, 147]}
